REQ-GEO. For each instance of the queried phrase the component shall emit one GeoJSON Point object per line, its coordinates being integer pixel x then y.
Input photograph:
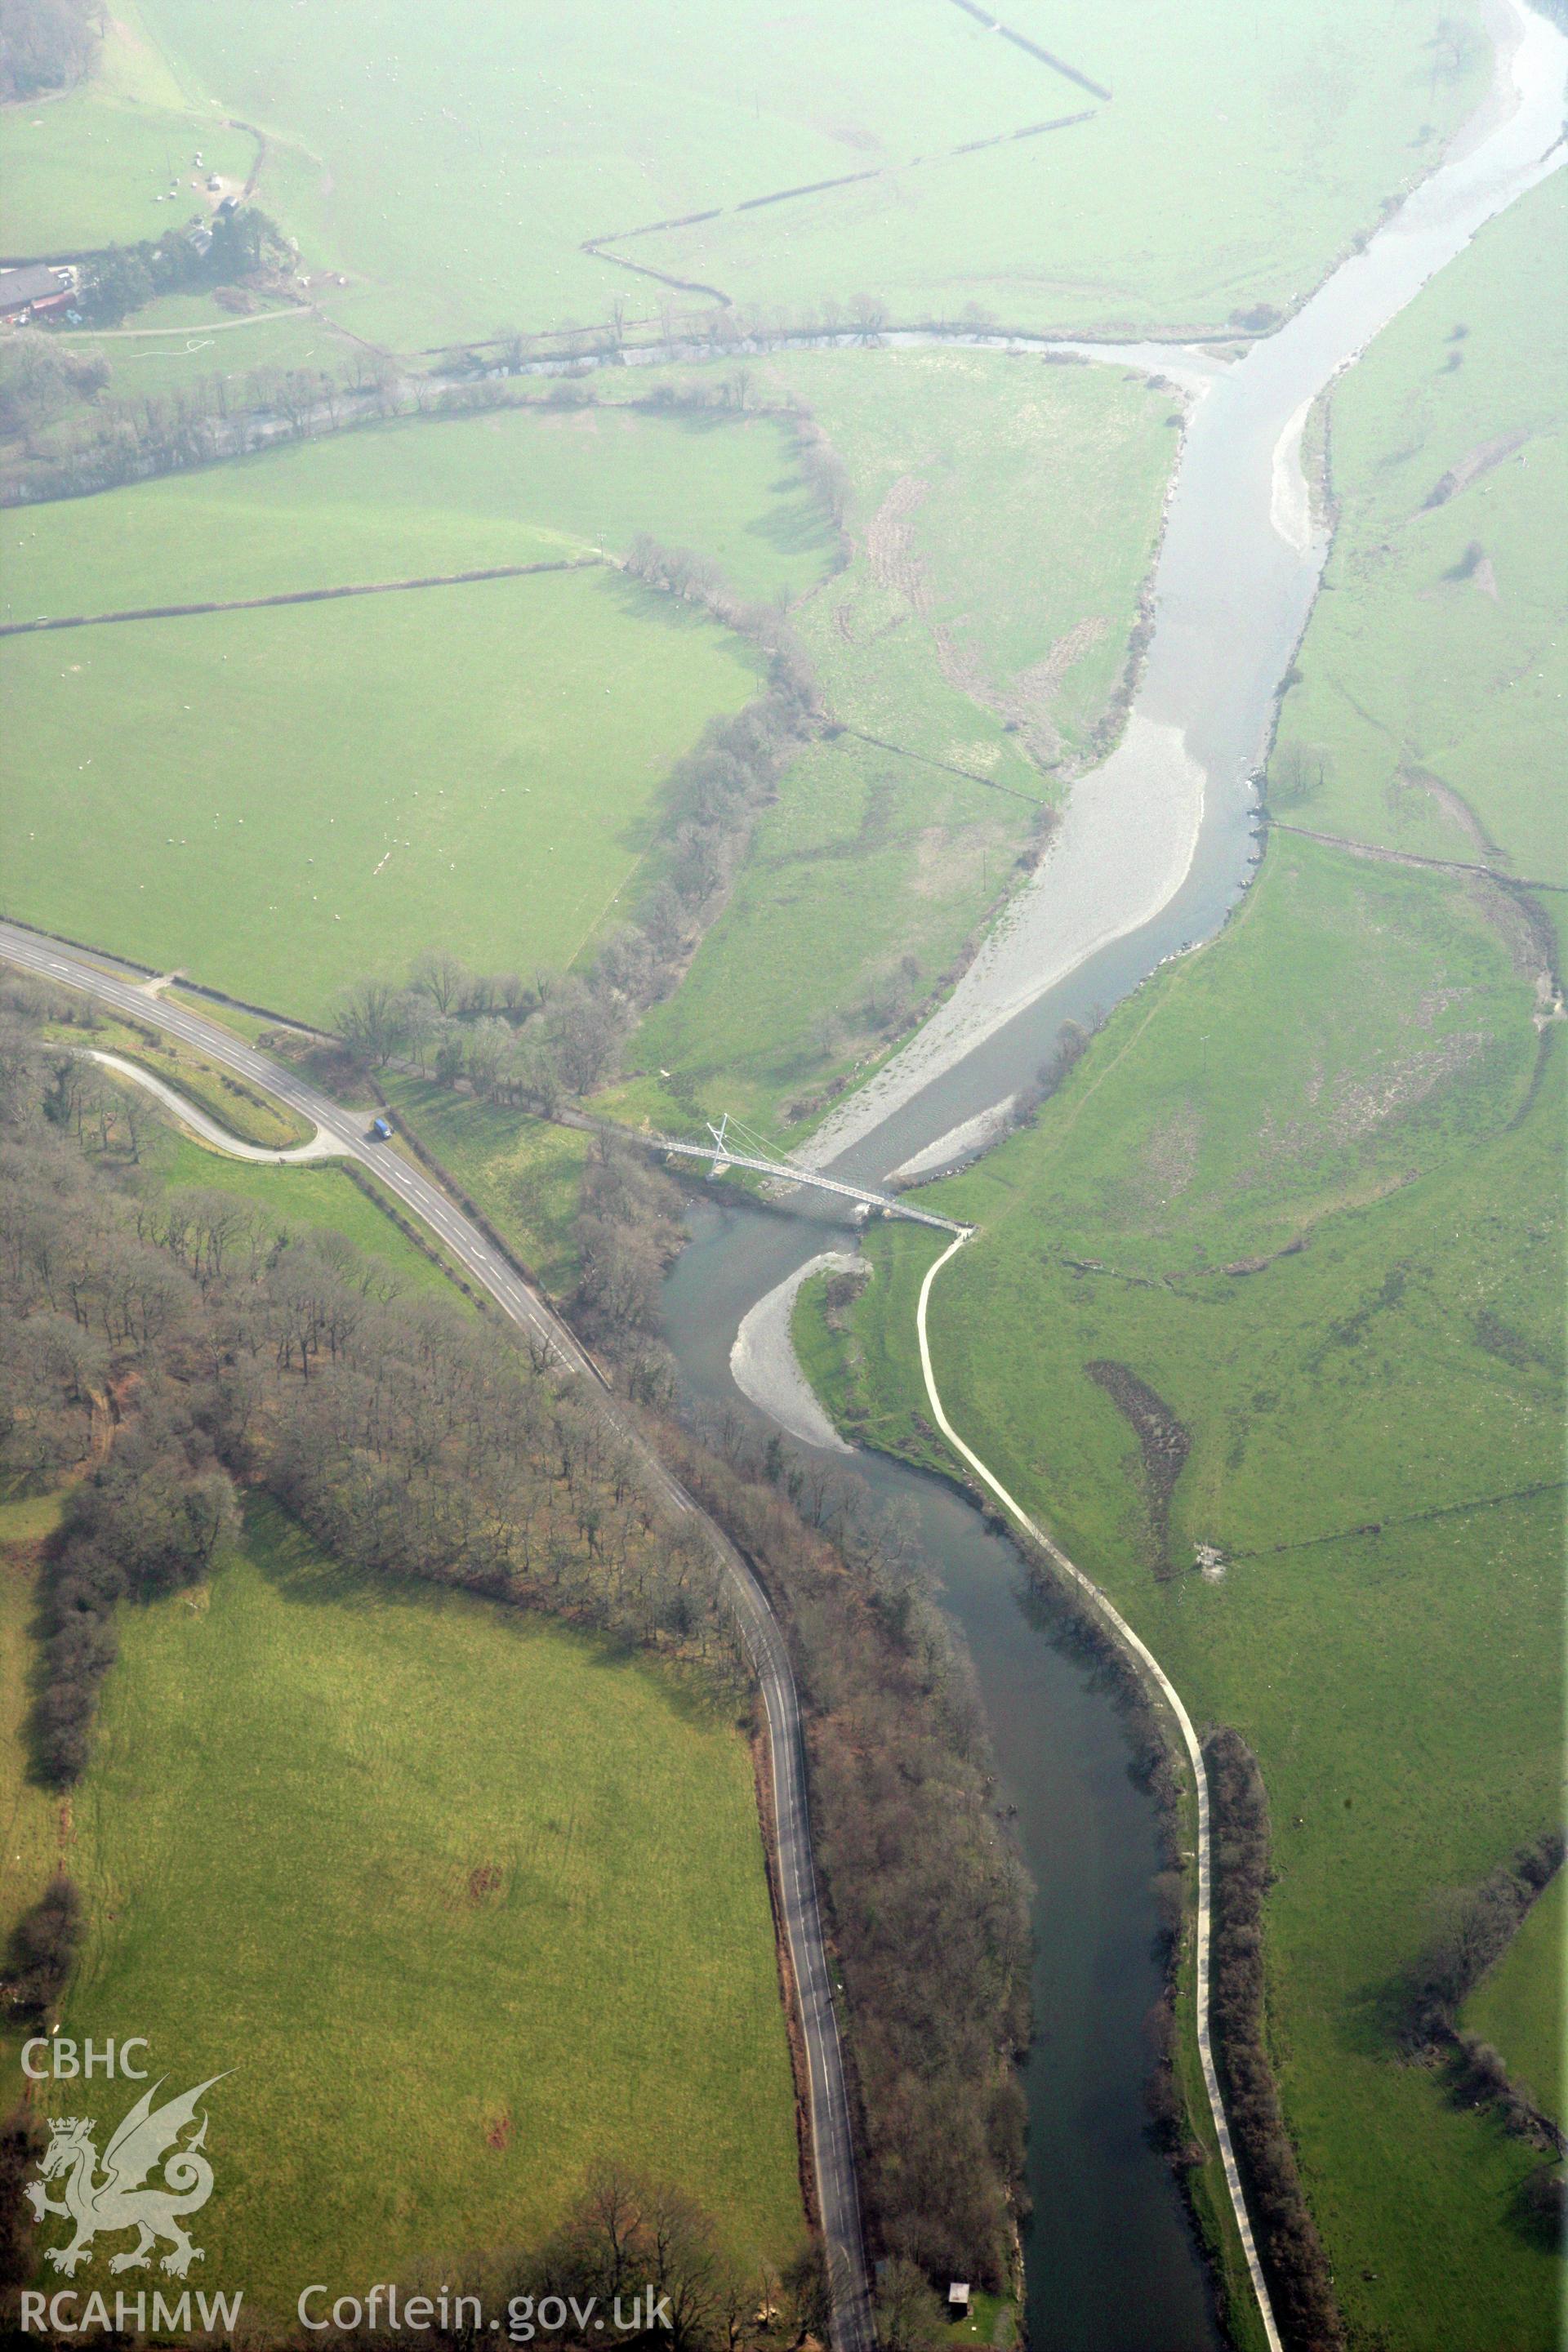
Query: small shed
{"type": "Point", "coordinates": [958, 2306]}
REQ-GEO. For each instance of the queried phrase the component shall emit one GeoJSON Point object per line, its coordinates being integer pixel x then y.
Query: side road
{"type": "Point", "coordinates": [342, 1132]}
{"type": "Point", "coordinates": [1157, 1674]}
{"type": "Point", "coordinates": [321, 1146]}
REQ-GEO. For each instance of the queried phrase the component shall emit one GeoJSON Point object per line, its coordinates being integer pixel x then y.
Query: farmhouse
{"type": "Point", "coordinates": [37, 288]}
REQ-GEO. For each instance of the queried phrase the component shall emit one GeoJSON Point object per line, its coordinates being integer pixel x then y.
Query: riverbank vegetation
{"type": "Point", "coordinates": [952, 695]}
{"type": "Point", "coordinates": [1373, 1474]}
{"type": "Point", "coordinates": [929, 1911]}
{"type": "Point", "coordinates": [970, 656]}
{"type": "Point", "coordinates": [1329, 1246]}
{"type": "Point", "coordinates": [1435, 666]}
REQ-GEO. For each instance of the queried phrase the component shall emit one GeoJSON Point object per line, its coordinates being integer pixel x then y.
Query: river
{"type": "Point", "coordinates": [1157, 846]}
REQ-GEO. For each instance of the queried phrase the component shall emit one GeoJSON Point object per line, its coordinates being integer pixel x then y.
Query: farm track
{"type": "Point", "coordinates": [300, 596]}
{"type": "Point", "coordinates": [833, 2149]}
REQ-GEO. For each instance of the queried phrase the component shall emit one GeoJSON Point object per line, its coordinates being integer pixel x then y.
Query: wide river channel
{"type": "Point", "coordinates": [1156, 847]}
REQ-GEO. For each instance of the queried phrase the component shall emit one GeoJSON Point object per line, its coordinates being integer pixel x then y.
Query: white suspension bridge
{"type": "Point", "coordinates": [722, 1154]}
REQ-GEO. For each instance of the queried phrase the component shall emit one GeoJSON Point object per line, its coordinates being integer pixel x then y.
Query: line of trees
{"type": "Point", "coordinates": [626, 2236]}
{"type": "Point", "coordinates": [1473, 1931]}
{"type": "Point", "coordinates": [46, 45]}
{"type": "Point", "coordinates": [41, 1952]}
{"type": "Point", "coordinates": [1300, 2281]}
{"type": "Point", "coordinates": [121, 440]}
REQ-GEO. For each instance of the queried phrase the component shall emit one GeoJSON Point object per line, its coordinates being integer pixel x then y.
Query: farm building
{"type": "Point", "coordinates": [37, 288]}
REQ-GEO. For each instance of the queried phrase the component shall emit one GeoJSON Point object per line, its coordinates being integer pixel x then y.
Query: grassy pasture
{"type": "Point", "coordinates": [421, 756]}
{"type": "Point", "coordinates": [401, 1860]}
{"type": "Point", "coordinates": [524, 1172]}
{"type": "Point", "coordinates": [87, 167]}
{"type": "Point", "coordinates": [1241, 149]}
{"type": "Point", "coordinates": [425, 495]}
{"type": "Point", "coordinates": [277, 799]}
{"type": "Point", "coordinates": [1518, 2007]}
{"type": "Point", "coordinates": [522, 136]}
{"type": "Point", "coordinates": [1400, 1687]}
{"type": "Point", "coordinates": [1354, 1067]}
{"type": "Point", "coordinates": [1431, 675]}
{"type": "Point", "coordinates": [980, 627]}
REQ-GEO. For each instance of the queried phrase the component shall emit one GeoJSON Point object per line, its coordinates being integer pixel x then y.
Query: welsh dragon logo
{"type": "Point", "coordinates": [115, 2198]}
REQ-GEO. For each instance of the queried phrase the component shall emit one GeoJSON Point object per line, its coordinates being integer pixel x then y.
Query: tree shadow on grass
{"type": "Point", "coordinates": [290, 1559]}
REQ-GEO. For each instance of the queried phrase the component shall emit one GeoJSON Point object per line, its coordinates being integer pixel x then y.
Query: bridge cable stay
{"type": "Point", "coordinates": [757, 1154]}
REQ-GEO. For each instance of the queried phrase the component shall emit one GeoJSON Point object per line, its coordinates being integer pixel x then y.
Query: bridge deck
{"type": "Point", "coordinates": [889, 1204]}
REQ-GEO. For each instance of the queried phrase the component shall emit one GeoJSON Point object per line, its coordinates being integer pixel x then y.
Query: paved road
{"type": "Point", "coordinates": [833, 2153]}
{"type": "Point", "coordinates": [1172, 1696]}
{"type": "Point", "coordinates": [321, 1146]}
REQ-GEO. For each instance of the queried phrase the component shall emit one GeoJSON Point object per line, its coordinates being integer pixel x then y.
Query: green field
{"type": "Point", "coordinates": [1239, 151]}
{"type": "Point", "coordinates": [87, 167]}
{"type": "Point", "coordinates": [1518, 2007]}
{"type": "Point", "coordinates": [280, 800]}
{"type": "Point", "coordinates": [1276, 131]}
{"type": "Point", "coordinates": [437, 1881]}
{"type": "Point", "coordinates": [979, 626]}
{"type": "Point", "coordinates": [426, 496]}
{"type": "Point", "coordinates": [1306, 1186]}
{"type": "Point", "coordinates": [316, 1197]}
{"type": "Point", "coordinates": [524, 1173]}
{"type": "Point", "coordinates": [1432, 675]}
